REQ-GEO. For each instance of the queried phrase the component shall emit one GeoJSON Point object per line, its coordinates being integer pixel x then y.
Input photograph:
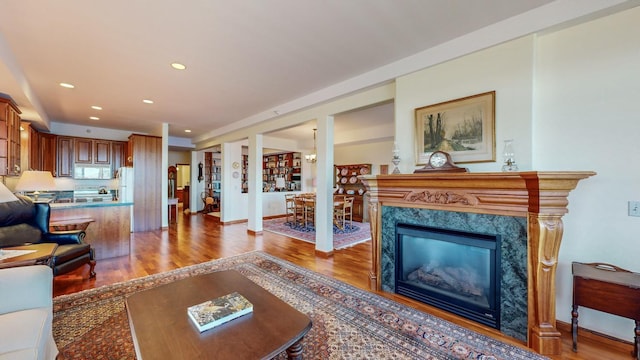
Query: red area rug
{"type": "Point", "coordinates": [351, 235]}
{"type": "Point", "coordinates": [348, 323]}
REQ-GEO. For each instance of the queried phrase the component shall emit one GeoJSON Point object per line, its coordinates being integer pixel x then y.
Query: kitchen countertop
{"type": "Point", "coordinates": [88, 204]}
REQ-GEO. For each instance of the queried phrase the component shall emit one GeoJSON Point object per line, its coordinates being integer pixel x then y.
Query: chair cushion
{"type": "Point", "coordinates": [16, 235]}
{"type": "Point", "coordinates": [65, 253]}
{"type": "Point", "coordinates": [16, 212]}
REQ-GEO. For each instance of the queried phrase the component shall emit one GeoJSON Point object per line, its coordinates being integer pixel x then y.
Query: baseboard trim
{"type": "Point", "coordinates": [323, 254]}
{"type": "Point", "coordinates": [234, 222]}
{"type": "Point", "coordinates": [253, 232]}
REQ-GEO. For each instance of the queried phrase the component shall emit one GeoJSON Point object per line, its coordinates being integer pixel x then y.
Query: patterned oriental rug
{"type": "Point", "coordinates": [348, 323]}
{"type": "Point", "coordinates": [342, 238]}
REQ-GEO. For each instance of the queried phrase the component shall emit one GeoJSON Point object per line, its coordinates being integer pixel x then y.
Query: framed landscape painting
{"type": "Point", "coordinates": [464, 128]}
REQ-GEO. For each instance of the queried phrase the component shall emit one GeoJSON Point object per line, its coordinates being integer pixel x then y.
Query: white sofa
{"type": "Point", "coordinates": [26, 313]}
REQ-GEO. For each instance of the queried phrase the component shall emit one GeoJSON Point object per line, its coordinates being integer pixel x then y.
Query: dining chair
{"type": "Point", "coordinates": [290, 207]}
{"type": "Point", "coordinates": [298, 217]}
{"type": "Point", "coordinates": [344, 211]}
{"type": "Point", "coordinates": [309, 209]}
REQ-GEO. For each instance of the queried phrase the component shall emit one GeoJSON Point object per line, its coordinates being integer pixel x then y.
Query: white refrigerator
{"type": "Point", "coordinates": [125, 188]}
{"type": "Point", "coordinates": [125, 184]}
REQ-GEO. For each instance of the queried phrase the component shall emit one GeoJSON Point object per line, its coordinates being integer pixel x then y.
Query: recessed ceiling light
{"type": "Point", "coordinates": [67, 85]}
{"type": "Point", "coordinates": [147, 101]}
{"type": "Point", "coordinates": [95, 107]}
{"type": "Point", "coordinates": [187, 131]}
{"type": "Point", "coordinates": [94, 118]}
{"type": "Point", "coordinates": [178, 66]}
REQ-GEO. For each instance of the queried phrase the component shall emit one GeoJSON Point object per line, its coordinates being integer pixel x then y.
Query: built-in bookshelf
{"type": "Point", "coordinates": [245, 174]}
{"type": "Point", "coordinates": [286, 165]}
{"type": "Point", "coordinates": [212, 174]}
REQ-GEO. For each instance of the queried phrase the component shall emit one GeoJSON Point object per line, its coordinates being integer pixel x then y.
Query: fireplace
{"type": "Point", "coordinates": [525, 208]}
{"type": "Point", "coordinates": [453, 270]}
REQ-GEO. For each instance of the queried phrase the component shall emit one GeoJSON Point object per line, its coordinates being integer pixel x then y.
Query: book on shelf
{"type": "Point", "coordinates": [212, 313]}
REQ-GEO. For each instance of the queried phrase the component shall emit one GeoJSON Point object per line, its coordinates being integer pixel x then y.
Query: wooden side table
{"type": "Point", "coordinates": [607, 288]}
{"type": "Point", "coordinates": [42, 256]}
{"type": "Point", "coordinates": [70, 224]}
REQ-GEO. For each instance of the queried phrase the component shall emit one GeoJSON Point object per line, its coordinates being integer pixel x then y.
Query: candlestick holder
{"type": "Point", "coordinates": [509, 157]}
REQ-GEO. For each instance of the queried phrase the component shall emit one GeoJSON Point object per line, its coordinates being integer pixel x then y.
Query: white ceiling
{"type": "Point", "coordinates": [243, 57]}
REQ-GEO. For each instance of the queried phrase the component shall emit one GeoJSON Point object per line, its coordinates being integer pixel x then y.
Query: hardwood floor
{"type": "Point", "coordinates": [198, 238]}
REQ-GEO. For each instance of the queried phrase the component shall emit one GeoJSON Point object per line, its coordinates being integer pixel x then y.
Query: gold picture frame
{"type": "Point", "coordinates": [464, 128]}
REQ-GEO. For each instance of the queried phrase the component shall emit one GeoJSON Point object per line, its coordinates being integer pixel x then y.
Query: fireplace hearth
{"type": "Point", "coordinates": [452, 270]}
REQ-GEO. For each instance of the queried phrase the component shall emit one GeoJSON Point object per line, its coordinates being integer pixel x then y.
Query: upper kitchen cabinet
{"type": "Point", "coordinates": [48, 152]}
{"type": "Point", "coordinates": [92, 151]}
{"type": "Point", "coordinates": [9, 137]}
{"type": "Point", "coordinates": [38, 149]}
{"type": "Point", "coordinates": [65, 156]}
{"type": "Point", "coordinates": [118, 155]}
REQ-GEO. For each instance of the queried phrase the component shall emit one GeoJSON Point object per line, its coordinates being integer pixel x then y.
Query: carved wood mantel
{"type": "Point", "coordinates": [541, 197]}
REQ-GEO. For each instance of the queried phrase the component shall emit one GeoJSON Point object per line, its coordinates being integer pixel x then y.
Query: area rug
{"type": "Point", "coordinates": [358, 233]}
{"type": "Point", "coordinates": [348, 323]}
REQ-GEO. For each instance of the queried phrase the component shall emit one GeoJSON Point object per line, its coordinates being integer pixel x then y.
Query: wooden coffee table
{"type": "Point", "coordinates": [42, 255]}
{"type": "Point", "coordinates": [161, 328]}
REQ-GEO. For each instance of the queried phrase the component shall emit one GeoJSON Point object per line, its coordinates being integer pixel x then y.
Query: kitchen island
{"type": "Point", "coordinates": [107, 224]}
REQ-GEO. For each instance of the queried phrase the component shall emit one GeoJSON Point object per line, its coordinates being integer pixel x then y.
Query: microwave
{"type": "Point", "coordinates": [92, 172]}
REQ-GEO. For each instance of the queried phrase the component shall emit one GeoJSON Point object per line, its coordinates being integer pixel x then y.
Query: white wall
{"type": "Point", "coordinates": [376, 154]}
{"type": "Point", "coordinates": [587, 91]}
{"type": "Point", "coordinates": [233, 201]}
{"type": "Point", "coordinates": [506, 68]}
{"type": "Point", "coordinates": [179, 157]}
{"type": "Point", "coordinates": [569, 99]}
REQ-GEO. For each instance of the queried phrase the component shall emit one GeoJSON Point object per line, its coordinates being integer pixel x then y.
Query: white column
{"type": "Point", "coordinates": [324, 187]}
{"type": "Point", "coordinates": [255, 183]}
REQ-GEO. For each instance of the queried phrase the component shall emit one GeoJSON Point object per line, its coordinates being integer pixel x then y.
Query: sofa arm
{"type": "Point", "coordinates": [64, 237]}
{"type": "Point", "coordinates": [26, 287]}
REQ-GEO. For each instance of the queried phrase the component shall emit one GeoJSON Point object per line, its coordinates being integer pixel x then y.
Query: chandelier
{"type": "Point", "coordinates": [311, 158]}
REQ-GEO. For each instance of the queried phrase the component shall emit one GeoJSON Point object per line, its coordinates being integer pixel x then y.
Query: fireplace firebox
{"type": "Point", "coordinates": [453, 270]}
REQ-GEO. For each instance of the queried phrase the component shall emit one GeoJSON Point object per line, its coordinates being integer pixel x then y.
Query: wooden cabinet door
{"type": "Point", "coordinates": [48, 152]}
{"type": "Point", "coordinates": [13, 121]}
{"type": "Point", "coordinates": [65, 157]}
{"type": "Point", "coordinates": [35, 160]}
{"type": "Point", "coordinates": [83, 149]}
{"type": "Point", "coordinates": [118, 155]}
{"type": "Point", "coordinates": [4, 138]}
{"type": "Point", "coordinates": [129, 160]}
{"type": "Point", "coordinates": [102, 151]}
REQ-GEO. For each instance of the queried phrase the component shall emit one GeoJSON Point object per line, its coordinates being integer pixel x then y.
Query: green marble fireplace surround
{"type": "Point", "coordinates": [513, 272]}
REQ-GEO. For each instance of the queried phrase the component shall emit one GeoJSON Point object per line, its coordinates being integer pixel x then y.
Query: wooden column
{"type": "Point", "coordinates": [539, 196]}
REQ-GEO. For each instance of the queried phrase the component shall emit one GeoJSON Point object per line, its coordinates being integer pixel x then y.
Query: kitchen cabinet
{"type": "Point", "coordinates": [118, 155]}
{"type": "Point", "coordinates": [92, 151]}
{"type": "Point", "coordinates": [147, 157]}
{"type": "Point", "coordinates": [9, 137]}
{"type": "Point", "coordinates": [129, 159]}
{"type": "Point", "coordinates": [38, 149]}
{"type": "Point", "coordinates": [33, 143]}
{"type": "Point", "coordinates": [65, 156]}
{"type": "Point", "coordinates": [48, 152]}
